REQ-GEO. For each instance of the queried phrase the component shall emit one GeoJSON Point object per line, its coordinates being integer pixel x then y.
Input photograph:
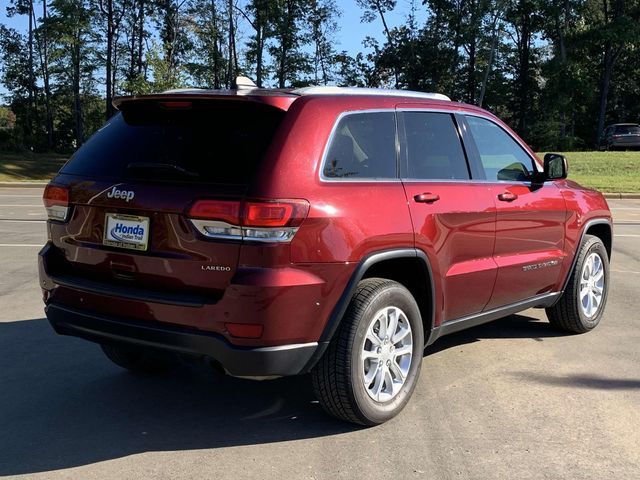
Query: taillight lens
{"type": "Point", "coordinates": [265, 221]}
{"type": "Point", "coordinates": [223, 210]}
{"type": "Point", "coordinates": [56, 202]}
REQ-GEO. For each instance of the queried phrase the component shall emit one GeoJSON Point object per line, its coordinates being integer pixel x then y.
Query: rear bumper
{"type": "Point", "coordinates": [239, 361]}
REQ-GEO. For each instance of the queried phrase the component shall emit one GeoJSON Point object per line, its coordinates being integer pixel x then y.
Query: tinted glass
{"type": "Point", "coordinates": [363, 146]}
{"type": "Point", "coordinates": [210, 141]}
{"type": "Point", "coordinates": [433, 147]}
{"type": "Point", "coordinates": [502, 158]}
{"type": "Point", "coordinates": [628, 130]}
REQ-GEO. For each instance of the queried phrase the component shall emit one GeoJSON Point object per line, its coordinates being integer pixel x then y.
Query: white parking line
{"type": "Point", "coordinates": [625, 271]}
{"type": "Point", "coordinates": [18, 205]}
{"type": "Point", "coordinates": [26, 220]}
{"type": "Point", "coordinates": [35, 196]}
{"type": "Point", "coordinates": [21, 245]}
{"type": "Point", "coordinates": [616, 235]}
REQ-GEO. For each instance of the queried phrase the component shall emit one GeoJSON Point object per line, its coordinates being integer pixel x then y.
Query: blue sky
{"type": "Point", "coordinates": [349, 37]}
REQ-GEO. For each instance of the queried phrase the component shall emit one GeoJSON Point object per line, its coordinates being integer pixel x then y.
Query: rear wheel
{"type": "Point", "coordinates": [371, 366]}
{"type": "Point", "coordinates": [137, 359]}
{"type": "Point", "coordinates": [581, 306]}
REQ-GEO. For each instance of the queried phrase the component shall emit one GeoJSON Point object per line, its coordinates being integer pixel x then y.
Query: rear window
{"type": "Point", "coordinates": [217, 142]}
{"type": "Point", "coordinates": [628, 130]}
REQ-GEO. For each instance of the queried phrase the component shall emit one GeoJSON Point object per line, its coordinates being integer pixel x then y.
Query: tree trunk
{"type": "Point", "coordinates": [389, 38]}
{"type": "Point", "coordinates": [43, 48]}
{"type": "Point", "coordinates": [609, 61]}
{"type": "Point", "coordinates": [259, 49]}
{"type": "Point", "coordinates": [32, 82]}
{"type": "Point", "coordinates": [140, 59]}
{"type": "Point", "coordinates": [109, 85]}
{"type": "Point", "coordinates": [216, 53]}
{"type": "Point", "coordinates": [485, 78]}
{"type": "Point", "coordinates": [232, 46]}
{"type": "Point", "coordinates": [77, 104]}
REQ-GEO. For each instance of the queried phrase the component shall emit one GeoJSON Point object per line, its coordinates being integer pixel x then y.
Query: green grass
{"type": "Point", "coordinates": [611, 172]}
{"type": "Point", "coordinates": [23, 167]}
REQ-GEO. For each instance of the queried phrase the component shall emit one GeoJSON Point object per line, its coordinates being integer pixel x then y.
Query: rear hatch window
{"type": "Point", "coordinates": [219, 141]}
{"type": "Point", "coordinates": [628, 130]}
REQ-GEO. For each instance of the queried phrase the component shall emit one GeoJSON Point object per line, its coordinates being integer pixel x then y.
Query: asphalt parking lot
{"type": "Point", "coordinates": [511, 399]}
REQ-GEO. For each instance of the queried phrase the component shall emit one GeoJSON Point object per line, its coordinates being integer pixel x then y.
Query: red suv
{"type": "Point", "coordinates": [330, 231]}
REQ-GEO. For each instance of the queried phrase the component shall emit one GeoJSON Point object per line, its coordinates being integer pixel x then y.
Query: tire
{"type": "Point", "coordinates": [339, 377]}
{"type": "Point", "coordinates": [137, 359]}
{"type": "Point", "coordinates": [573, 313]}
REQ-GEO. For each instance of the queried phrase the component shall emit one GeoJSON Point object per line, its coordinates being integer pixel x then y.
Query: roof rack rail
{"type": "Point", "coordinates": [183, 90]}
{"type": "Point", "coordinates": [328, 90]}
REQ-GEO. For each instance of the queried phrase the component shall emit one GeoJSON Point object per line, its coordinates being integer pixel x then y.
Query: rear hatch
{"type": "Point", "coordinates": [131, 187]}
{"type": "Point", "coordinates": [627, 135]}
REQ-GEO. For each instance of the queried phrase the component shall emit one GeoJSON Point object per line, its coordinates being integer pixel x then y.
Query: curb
{"type": "Point", "coordinates": [38, 184]}
{"type": "Point", "coordinates": [622, 196]}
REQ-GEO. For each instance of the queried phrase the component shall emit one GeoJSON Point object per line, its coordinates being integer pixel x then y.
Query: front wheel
{"type": "Point", "coordinates": [582, 304]}
{"type": "Point", "coordinates": [371, 366]}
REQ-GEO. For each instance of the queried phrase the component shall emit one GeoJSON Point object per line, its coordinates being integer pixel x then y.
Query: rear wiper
{"type": "Point", "coordinates": [161, 166]}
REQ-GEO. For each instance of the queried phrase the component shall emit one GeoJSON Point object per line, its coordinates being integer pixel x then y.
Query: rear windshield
{"type": "Point", "coordinates": [217, 142]}
{"type": "Point", "coordinates": [628, 130]}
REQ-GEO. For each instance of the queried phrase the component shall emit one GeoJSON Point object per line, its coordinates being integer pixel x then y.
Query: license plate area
{"type": "Point", "coordinates": [126, 231]}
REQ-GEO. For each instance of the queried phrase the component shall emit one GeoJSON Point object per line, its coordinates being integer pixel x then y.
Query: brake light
{"type": "Point", "coordinates": [223, 210]}
{"type": "Point", "coordinates": [56, 202]}
{"type": "Point", "coordinates": [266, 221]}
{"type": "Point", "coordinates": [176, 105]}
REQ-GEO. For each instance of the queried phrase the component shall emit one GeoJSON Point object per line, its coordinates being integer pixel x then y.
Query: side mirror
{"type": "Point", "coordinates": [555, 166]}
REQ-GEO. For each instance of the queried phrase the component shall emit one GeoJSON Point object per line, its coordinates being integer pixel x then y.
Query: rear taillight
{"type": "Point", "coordinates": [262, 221]}
{"type": "Point", "coordinates": [56, 202]}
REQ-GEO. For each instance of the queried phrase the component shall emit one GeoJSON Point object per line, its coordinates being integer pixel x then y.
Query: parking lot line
{"type": "Point", "coordinates": [21, 245]}
{"type": "Point", "coordinates": [21, 220]}
{"type": "Point", "coordinates": [25, 196]}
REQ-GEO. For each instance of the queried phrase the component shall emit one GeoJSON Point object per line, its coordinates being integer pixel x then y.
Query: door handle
{"type": "Point", "coordinates": [507, 197]}
{"type": "Point", "coordinates": [427, 197]}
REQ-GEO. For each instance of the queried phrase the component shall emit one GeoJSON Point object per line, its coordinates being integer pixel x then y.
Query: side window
{"type": "Point", "coordinates": [501, 156]}
{"type": "Point", "coordinates": [363, 146]}
{"type": "Point", "coordinates": [433, 148]}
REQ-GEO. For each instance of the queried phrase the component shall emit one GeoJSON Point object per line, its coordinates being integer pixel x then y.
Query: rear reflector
{"type": "Point", "coordinates": [56, 202]}
{"type": "Point", "coordinates": [244, 330]}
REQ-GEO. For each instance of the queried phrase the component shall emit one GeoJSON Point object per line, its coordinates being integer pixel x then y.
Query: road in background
{"type": "Point", "coordinates": [510, 399]}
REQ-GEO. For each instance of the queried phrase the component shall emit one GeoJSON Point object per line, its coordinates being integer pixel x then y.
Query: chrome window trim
{"type": "Point", "coordinates": [450, 111]}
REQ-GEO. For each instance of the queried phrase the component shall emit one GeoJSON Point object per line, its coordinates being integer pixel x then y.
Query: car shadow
{"type": "Point", "coordinates": [513, 326]}
{"type": "Point", "coordinates": [63, 404]}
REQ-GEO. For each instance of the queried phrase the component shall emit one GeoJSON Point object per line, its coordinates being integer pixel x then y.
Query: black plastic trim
{"type": "Point", "coordinates": [131, 292]}
{"type": "Point", "coordinates": [452, 326]}
{"type": "Point", "coordinates": [237, 361]}
{"type": "Point", "coordinates": [587, 225]}
{"type": "Point", "coordinates": [341, 307]}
